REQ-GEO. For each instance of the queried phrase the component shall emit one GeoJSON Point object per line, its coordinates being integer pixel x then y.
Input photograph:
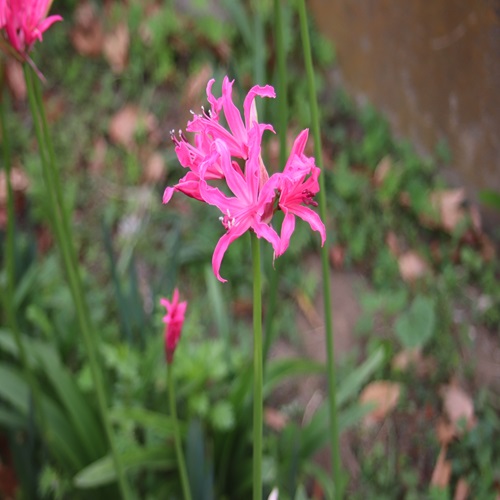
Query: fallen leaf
{"type": "Point", "coordinates": [308, 309]}
{"type": "Point", "coordinates": [154, 170]}
{"type": "Point", "coordinates": [407, 358]}
{"type": "Point", "coordinates": [442, 471]}
{"type": "Point", "coordinates": [445, 432]}
{"type": "Point", "coordinates": [55, 107]}
{"type": "Point", "coordinates": [384, 395]}
{"type": "Point", "coordinates": [488, 250]}
{"type": "Point", "coordinates": [87, 34]}
{"type": "Point", "coordinates": [275, 419]}
{"type": "Point", "coordinates": [14, 76]}
{"type": "Point", "coordinates": [337, 255]}
{"type": "Point", "coordinates": [127, 122]}
{"type": "Point", "coordinates": [115, 48]}
{"type": "Point", "coordinates": [458, 406]}
{"type": "Point", "coordinates": [195, 86]}
{"type": "Point", "coordinates": [462, 490]}
{"type": "Point", "coordinates": [382, 169]}
{"type": "Point", "coordinates": [18, 179]}
{"type": "Point", "coordinates": [97, 162]}
{"type": "Point", "coordinates": [392, 242]}
{"type": "Point", "coordinates": [448, 205]}
{"type": "Point", "coordinates": [412, 266]}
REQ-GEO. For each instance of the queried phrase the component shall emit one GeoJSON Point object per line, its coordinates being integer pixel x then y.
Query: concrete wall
{"type": "Point", "coordinates": [432, 67]}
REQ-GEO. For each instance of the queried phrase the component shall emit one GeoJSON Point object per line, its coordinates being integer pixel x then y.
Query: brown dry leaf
{"type": "Point", "coordinates": [154, 170]}
{"type": "Point", "coordinates": [55, 107]}
{"type": "Point", "coordinates": [14, 77]}
{"type": "Point", "coordinates": [407, 358]}
{"type": "Point", "coordinates": [337, 255]}
{"type": "Point", "coordinates": [275, 419]}
{"type": "Point", "coordinates": [115, 48]}
{"type": "Point", "coordinates": [384, 395]}
{"type": "Point", "coordinates": [20, 183]}
{"type": "Point", "coordinates": [442, 471]}
{"type": "Point", "coordinates": [488, 250]}
{"type": "Point", "coordinates": [445, 432]}
{"type": "Point", "coordinates": [308, 309]}
{"type": "Point", "coordinates": [382, 169]}
{"type": "Point", "coordinates": [87, 34]}
{"type": "Point", "coordinates": [462, 490]}
{"type": "Point", "coordinates": [448, 204]}
{"type": "Point", "coordinates": [412, 266]}
{"type": "Point", "coordinates": [195, 85]}
{"type": "Point", "coordinates": [392, 242]}
{"type": "Point", "coordinates": [458, 405]}
{"type": "Point", "coordinates": [242, 307]}
{"type": "Point", "coordinates": [18, 179]}
{"type": "Point", "coordinates": [98, 160]}
{"type": "Point", "coordinates": [126, 122]}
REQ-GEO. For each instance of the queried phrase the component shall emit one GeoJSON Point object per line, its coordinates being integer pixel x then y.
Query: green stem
{"type": "Point", "coordinates": [259, 53]}
{"type": "Point", "coordinates": [281, 96]}
{"type": "Point", "coordinates": [332, 397]}
{"type": "Point", "coordinates": [61, 226]}
{"type": "Point", "coordinates": [177, 436]}
{"type": "Point", "coordinates": [10, 308]}
{"type": "Point", "coordinates": [257, 370]}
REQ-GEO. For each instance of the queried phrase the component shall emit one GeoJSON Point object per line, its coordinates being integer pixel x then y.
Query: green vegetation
{"type": "Point", "coordinates": [431, 299]}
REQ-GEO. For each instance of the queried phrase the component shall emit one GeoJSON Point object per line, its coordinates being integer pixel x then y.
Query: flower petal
{"type": "Point", "coordinates": [287, 229]}
{"type": "Point", "coordinates": [232, 113]}
{"type": "Point", "coordinates": [223, 245]}
{"type": "Point", "coordinates": [249, 107]}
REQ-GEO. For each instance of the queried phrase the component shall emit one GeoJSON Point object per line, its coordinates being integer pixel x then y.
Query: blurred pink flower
{"type": "Point", "coordinates": [24, 22]}
{"type": "Point", "coordinates": [174, 320]}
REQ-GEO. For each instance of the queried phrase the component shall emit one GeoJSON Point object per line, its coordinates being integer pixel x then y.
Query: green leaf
{"type": "Point", "coordinates": [11, 419]}
{"type": "Point", "coordinates": [280, 369]}
{"type": "Point", "coordinates": [160, 424]}
{"type": "Point", "coordinates": [415, 327]}
{"type": "Point", "coordinates": [102, 471]}
{"type": "Point", "coordinates": [222, 416]}
{"type": "Point", "coordinates": [60, 436]}
{"type": "Point", "coordinates": [82, 416]}
{"type": "Point", "coordinates": [437, 493]}
{"type": "Point", "coordinates": [490, 198]}
{"type": "Point", "coordinates": [198, 464]}
{"type": "Point", "coordinates": [351, 385]}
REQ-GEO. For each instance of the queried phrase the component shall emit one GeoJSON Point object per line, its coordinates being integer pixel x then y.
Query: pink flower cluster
{"type": "Point", "coordinates": [24, 22]}
{"type": "Point", "coordinates": [218, 153]}
{"type": "Point", "coordinates": [174, 320]}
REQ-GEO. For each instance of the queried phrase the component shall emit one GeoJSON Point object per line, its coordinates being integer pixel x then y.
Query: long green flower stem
{"type": "Point", "coordinates": [257, 370]}
{"type": "Point", "coordinates": [332, 397]}
{"type": "Point", "coordinates": [9, 305]}
{"type": "Point", "coordinates": [61, 226]}
{"type": "Point", "coordinates": [177, 436]}
{"type": "Point", "coordinates": [281, 96]}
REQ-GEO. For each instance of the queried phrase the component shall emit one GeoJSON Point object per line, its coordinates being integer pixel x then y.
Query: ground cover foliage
{"type": "Point", "coordinates": [418, 409]}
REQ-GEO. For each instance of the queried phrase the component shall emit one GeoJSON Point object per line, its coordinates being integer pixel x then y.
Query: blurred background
{"type": "Point", "coordinates": [410, 114]}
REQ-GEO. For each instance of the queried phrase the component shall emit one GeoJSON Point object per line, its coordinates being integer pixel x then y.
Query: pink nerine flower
{"type": "Point", "coordinates": [207, 128]}
{"type": "Point", "coordinates": [297, 186]}
{"type": "Point", "coordinates": [244, 193]}
{"type": "Point", "coordinates": [251, 204]}
{"type": "Point", "coordinates": [174, 320]}
{"type": "Point", "coordinates": [24, 22]}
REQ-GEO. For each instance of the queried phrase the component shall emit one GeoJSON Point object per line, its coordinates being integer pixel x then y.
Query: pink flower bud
{"type": "Point", "coordinates": [174, 319]}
